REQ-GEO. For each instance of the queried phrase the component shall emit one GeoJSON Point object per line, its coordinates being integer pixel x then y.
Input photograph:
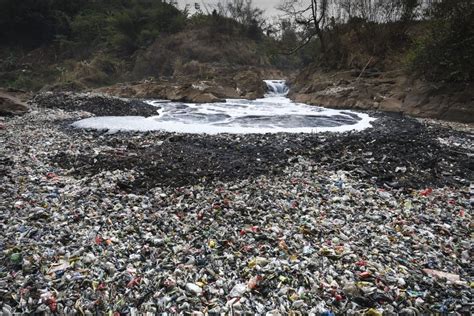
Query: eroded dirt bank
{"type": "Point", "coordinates": [228, 83]}
{"type": "Point", "coordinates": [385, 91]}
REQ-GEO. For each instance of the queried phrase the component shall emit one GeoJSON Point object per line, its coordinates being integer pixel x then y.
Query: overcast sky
{"type": "Point", "coordinates": [267, 5]}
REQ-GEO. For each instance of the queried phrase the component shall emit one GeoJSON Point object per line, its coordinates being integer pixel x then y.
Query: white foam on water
{"type": "Point", "coordinates": [267, 115]}
{"type": "Point", "coordinates": [274, 113]}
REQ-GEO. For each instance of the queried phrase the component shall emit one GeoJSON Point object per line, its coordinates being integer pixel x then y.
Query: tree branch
{"type": "Point", "coordinates": [303, 44]}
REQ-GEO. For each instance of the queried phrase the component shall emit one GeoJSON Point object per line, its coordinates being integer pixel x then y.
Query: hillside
{"type": "Point", "coordinates": [90, 44]}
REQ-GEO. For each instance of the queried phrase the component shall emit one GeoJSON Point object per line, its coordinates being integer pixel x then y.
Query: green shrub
{"type": "Point", "coordinates": [445, 52]}
{"type": "Point", "coordinates": [30, 23]}
{"type": "Point", "coordinates": [89, 27]}
{"type": "Point", "coordinates": [141, 22]}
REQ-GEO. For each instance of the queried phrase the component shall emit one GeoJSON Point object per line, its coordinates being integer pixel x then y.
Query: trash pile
{"type": "Point", "coordinates": [397, 153]}
{"type": "Point", "coordinates": [297, 235]}
{"type": "Point", "coordinates": [97, 104]}
{"type": "Point", "coordinates": [403, 153]}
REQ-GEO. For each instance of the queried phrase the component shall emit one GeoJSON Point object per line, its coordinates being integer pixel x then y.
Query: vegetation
{"type": "Point", "coordinates": [435, 39]}
{"type": "Point", "coordinates": [83, 43]}
{"type": "Point", "coordinates": [124, 25]}
{"type": "Point", "coordinates": [445, 51]}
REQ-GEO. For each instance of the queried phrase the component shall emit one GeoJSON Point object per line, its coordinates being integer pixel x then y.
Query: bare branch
{"type": "Point", "coordinates": [305, 42]}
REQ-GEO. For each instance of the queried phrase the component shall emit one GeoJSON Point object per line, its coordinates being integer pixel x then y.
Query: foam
{"type": "Point", "coordinates": [272, 114]}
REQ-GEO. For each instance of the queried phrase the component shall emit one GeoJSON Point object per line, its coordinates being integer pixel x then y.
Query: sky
{"type": "Point", "coordinates": [267, 5]}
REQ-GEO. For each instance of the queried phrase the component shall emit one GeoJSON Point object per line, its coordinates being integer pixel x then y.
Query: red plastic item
{"type": "Point", "coordinates": [365, 275]}
{"type": "Point", "coordinates": [426, 192]}
{"type": "Point", "coordinates": [53, 304]}
{"type": "Point", "coordinates": [134, 282]}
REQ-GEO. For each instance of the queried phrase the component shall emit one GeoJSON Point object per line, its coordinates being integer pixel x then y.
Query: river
{"type": "Point", "coordinates": [275, 113]}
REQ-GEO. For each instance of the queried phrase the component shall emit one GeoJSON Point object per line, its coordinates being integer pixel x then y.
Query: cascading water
{"type": "Point", "coordinates": [272, 114]}
{"type": "Point", "coordinates": [276, 87]}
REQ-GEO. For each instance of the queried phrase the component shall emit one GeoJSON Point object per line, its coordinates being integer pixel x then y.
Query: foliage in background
{"type": "Point", "coordinates": [124, 25]}
{"type": "Point", "coordinates": [348, 34]}
{"type": "Point", "coordinates": [85, 43]}
{"type": "Point", "coordinates": [435, 38]}
{"type": "Point", "coordinates": [31, 23]}
{"type": "Point", "coordinates": [139, 24]}
{"type": "Point", "coordinates": [72, 35]}
{"type": "Point", "coordinates": [445, 50]}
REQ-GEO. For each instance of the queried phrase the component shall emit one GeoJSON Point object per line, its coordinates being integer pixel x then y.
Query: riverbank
{"type": "Point", "coordinates": [390, 91]}
{"type": "Point", "coordinates": [163, 222]}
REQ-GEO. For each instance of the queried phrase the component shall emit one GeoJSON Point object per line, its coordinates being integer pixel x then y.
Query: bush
{"type": "Point", "coordinates": [89, 28]}
{"type": "Point", "coordinates": [140, 23]}
{"type": "Point", "coordinates": [445, 52]}
{"type": "Point", "coordinates": [30, 23]}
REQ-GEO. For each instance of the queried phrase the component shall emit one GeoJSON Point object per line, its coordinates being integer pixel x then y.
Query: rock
{"type": "Point", "coordinates": [391, 105]}
{"type": "Point", "coordinates": [131, 91]}
{"type": "Point", "coordinates": [224, 91]}
{"type": "Point", "coordinates": [231, 84]}
{"type": "Point", "coordinates": [195, 95]}
{"type": "Point", "coordinates": [249, 84]}
{"type": "Point", "coordinates": [10, 105]}
{"type": "Point", "coordinates": [449, 102]}
{"type": "Point", "coordinates": [452, 102]}
{"type": "Point", "coordinates": [319, 86]}
{"type": "Point", "coordinates": [205, 98]}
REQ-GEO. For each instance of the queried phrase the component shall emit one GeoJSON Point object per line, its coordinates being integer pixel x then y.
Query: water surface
{"type": "Point", "coordinates": [272, 114]}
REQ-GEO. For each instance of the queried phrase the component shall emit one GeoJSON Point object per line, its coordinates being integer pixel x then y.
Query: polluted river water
{"type": "Point", "coordinates": [275, 113]}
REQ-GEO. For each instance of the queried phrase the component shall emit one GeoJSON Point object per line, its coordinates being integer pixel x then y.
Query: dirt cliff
{"type": "Point", "coordinates": [385, 91]}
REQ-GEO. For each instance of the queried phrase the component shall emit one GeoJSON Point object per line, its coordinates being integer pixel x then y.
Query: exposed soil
{"type": "Point", "coordinates": [385, 91]}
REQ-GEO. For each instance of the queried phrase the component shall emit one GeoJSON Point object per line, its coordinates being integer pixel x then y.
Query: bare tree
{"type": "Point", "coordinates": [244, 12]}
{"type": "Point", "coordinates": [311, 17]}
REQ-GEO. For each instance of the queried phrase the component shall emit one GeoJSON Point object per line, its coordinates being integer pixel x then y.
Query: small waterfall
{"type": "Point", "coordinates": [276, 87]}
